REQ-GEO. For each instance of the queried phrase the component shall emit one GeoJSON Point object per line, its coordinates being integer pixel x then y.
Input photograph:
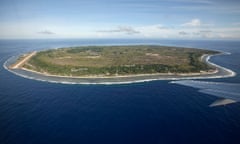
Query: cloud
{"type": "Point", "coordinates": [163, 27]}
{"type": "Point", "coordinates": [196, 23]}
{"type": "Point", "coordinates": [183, 33]}
{"type": "Point", "coordinates": [157, 31]}
{"type": "Point", "coordinates": [46, 32]}
{"type": "Point", "coordinates": [205, 34]}
{"type": "Point", "coordinates": [205, 31]}
{"type": "Point", "coordinates": [121, 29]}
{"type": "Point", "coordinates": [196, 33]}
{"type": "Point", "coordinates": [193, 23]}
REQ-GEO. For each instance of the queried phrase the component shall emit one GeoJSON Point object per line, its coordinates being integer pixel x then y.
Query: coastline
{"type": "Point", "coordinates": [220, 72]}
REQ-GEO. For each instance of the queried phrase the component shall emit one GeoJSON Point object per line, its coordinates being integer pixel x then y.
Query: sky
{"type": "Point", "coordinates": [156, 19]}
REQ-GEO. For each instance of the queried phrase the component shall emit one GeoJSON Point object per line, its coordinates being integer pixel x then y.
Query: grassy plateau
{"type": "Point", "coordinates": [118, 60]}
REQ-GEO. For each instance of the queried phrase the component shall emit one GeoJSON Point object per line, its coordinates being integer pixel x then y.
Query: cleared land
{"type": "Point", "coordinates": [117, 60]}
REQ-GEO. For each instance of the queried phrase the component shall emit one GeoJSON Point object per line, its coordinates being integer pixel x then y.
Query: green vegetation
{"type": "Point", "coordinates": [118, 60]}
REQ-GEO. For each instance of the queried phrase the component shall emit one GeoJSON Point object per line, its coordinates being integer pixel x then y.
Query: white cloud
{"type": "Point", "coordinates": [157, 31]}
{"type": "Point", "coordinates": [194, 29]}
{"type": "Point", "coordinates": [121, 29]}
{"type": "Point", "coordinates": [47, 32]}
{"type": "Point", "coordinates": [193, 23]}
{"type": "Point", "coordinates": [183, 33]}
{"type": "Point", "coordinates": [196, 23]}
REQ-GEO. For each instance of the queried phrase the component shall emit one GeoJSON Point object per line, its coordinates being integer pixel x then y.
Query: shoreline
{"type": "Point", "coordinates": [220, 72]}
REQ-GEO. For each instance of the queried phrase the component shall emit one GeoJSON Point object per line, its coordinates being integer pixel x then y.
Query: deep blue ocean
{"type": "Point", "coordinates": [156, 112]}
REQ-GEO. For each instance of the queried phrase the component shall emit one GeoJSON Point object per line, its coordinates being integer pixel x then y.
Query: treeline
{"type": "Point", "coordinates": [84, 49]}
{"type": "Point", "coordinates": [197, 65]}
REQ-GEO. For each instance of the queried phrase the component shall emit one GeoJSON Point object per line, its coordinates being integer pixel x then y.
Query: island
{"type": "Point", "coordinates": [117, 61]}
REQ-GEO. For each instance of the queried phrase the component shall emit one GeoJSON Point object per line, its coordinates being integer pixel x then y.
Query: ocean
{"type": "Point", "coordinates": [36, 112]}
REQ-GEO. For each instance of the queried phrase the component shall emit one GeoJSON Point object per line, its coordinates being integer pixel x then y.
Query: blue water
{"type": "Point", "coordinates": [35, 112]}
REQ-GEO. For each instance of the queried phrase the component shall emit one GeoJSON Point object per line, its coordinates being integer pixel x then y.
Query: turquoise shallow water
{"type": "Point", "coordinates": [150, 112]}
